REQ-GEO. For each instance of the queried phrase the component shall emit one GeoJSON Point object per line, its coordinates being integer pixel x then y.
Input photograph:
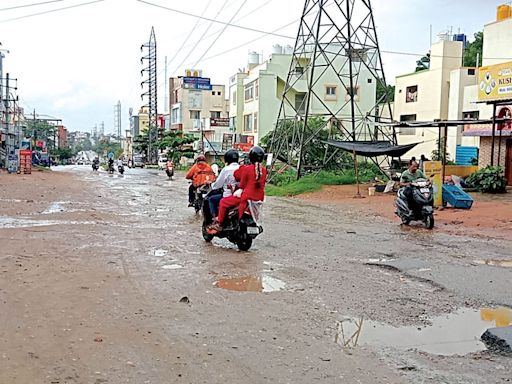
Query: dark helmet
{"type": "Point", "coordinates": [200, 158]}
{"type": "Point", "coordinates": [231, 156]}
{"type": "Point", "coordinates": [256, 154]}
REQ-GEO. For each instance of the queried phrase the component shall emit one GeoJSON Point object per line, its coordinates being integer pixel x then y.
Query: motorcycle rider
{"type": "Point", "coordinates": [110, 164]}
{"type": "Point", "coordinates": [226, 181]}
{"type": "Point", "coordinates": [96, 163]}
{"type": "Point", "coordinates": [410, 176]}
{"type": "Point", "coordinates": [169, 168]}
{"type": "Point", "coordinates": [200, 174]}
{"type": "Point", "coordinates": [252, 187]}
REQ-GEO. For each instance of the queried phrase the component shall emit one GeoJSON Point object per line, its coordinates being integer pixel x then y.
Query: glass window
{"type": "Point", "coordinates": [411, 94]}
{"type": "Point", "coordinates": [249, 92]}
{"type": "Point", "coordinates": [255, 122]}
{"type": "Point", "coordinates": [215, 114]}
{"type": "Point", "coordinates": [248, 123]}
{"type": "Point", "coordinates": [195, 114]}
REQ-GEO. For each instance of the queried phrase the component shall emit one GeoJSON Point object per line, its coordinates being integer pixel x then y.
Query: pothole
{"type": "Point", "coordinates": [455, 334]}
{"type": "Point", "coordinates": [263, 283]}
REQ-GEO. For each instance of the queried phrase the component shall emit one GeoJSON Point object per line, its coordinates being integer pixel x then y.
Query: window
{"type": "Point", "coordinates": [407, 130]}
{"type": "Point", "coordinates": [352, 92]}
{"type": "Point", "coordinates": [299, 70]}
{"type": "Point", "coordinates": [257, 89]}
{"type": "Point", "coordinates": [248, 123]}
{"type": "Point", "coordinates": [176, 116]}
{"type": "Point", "coordinates": [471, 115]}
{"type": "Point", "coordinates": [232, 124]}
{"type": "Point", "coordinates": [330, 92]}
{"type": "Point", "coordinates": [215, 114]}
{"type": "Point", "coordinates": [195, 115]}
{"type": "Point", "coordinates": [249, 92]}
{"type": "Point", "coordinates": [234, 98]}
{"type": "Point", "coordinates": [471, 71]}
{"type": "Point", "coordinates": [255, 122]}
{"type": "Point", "coordinates": [411, 94]}
{"type": "Point", "coordinates": [219, 93]}
{"type": "Point", "coordinates": [369, 81]}
{"type": "Point", "coordinates": [176, 96]}
{"type": "Point", "coordinates": [213, 93]}
{"type": "Point", "coordinates": [300, 103]}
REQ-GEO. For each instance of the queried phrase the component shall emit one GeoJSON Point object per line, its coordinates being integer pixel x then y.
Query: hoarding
{"type": "Point", "coordinates": [495, 82]}
{"type": "Point", "coordinates": [200, 83]}
{"type": "Point", "coordinates": [219, 122]}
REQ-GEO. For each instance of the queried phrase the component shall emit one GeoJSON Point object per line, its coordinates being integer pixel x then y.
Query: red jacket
{"type": "Point", "coordinates": [253, 189]}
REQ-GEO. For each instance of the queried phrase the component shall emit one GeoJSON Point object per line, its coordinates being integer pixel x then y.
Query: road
{"type": "Point", "coordinates": [106, 279]}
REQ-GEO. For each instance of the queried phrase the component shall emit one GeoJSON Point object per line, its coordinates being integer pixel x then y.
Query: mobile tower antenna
{"type": "Point", "coordinates": [151, 83]}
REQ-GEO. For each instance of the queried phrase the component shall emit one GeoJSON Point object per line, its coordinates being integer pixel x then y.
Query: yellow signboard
{"type": "Point", "coordinates": [433, 170]}
{"type": "Point", "coordinates": [495, 82]}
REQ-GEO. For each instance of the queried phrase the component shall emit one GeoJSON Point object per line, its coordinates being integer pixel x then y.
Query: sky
{"type": "Point", "coordinates": [76, 63]}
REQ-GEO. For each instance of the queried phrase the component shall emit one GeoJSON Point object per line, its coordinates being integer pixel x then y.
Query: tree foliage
{"type": "Point", "coordinates": [40, 130]}
{"type": "Point", "coordinates": [474, 50]}
{"type": "Point", "coordinates": [423, 63]}
{"type": "Point", "coordinates": [381, 92]}
{"type": "Point", "coordinates": [489, 180]}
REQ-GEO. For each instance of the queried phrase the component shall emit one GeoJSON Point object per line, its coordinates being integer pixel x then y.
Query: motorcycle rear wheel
{"type": "Point", "coordinates": [405, 220]}
{"type": "Point", "coordinates": [429, 221]}
{"type": "Point", "coordinates": [206, 236]}
{"type": "Point", "coordinates": [244, 244]}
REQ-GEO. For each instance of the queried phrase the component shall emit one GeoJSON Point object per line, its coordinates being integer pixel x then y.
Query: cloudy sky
{"type": "Point", "coordinates": [76, 63]}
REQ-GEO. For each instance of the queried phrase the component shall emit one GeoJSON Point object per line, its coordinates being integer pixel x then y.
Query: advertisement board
{"type": "Point", "coordinates": [495, 82]}
{"type": "Point", "coordinates": [219, 122]}
{"type": "Point", "coordinates": [199, 83]}
{"type": "Point", "coordinates": [433, 170]}
{"type": "Point", "coordinates": [12, 163]}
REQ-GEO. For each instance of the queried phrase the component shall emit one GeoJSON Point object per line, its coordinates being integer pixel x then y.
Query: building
{"type": "Point", "coordinates": [198, 107]}
{"type": "Point", "coordinates": [425, 95]}
{"type": "Point", "coordinates": [256, 93]}
{"type": "Point", "coordinates": [62, 136]}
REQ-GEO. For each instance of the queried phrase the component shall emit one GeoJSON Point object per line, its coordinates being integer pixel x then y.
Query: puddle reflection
{"type": "Point", "coordinates": [455, 334]}
{"type": "Point", "coordinates": [251, 284]}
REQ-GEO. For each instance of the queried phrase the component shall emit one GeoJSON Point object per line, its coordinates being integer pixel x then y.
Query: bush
{"type": "Point", "coordinates": [488, 180]}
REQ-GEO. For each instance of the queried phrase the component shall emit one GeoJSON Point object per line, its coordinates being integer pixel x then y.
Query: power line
{"type": "Point", "coordinates": [30, 5]}
{"type": "Point", "coordinates": [213, 20]}
{"type": "Point", "coordinates": [220, 34]}
{"type": "Point", "coordinates": [51, 11]}
{"type": "Point", "coordinates": [201, 38]}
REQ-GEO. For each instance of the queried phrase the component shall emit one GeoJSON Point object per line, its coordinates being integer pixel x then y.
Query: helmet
{"type": "Point", "coordinates": [200, 158]}
{"type": "Point", "coordinates": [256, 154]}
{"type": "Point", "coordinates": [231, 156]}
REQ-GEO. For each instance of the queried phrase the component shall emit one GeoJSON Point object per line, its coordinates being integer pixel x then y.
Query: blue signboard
{"type": "Point", "coordinates": [201, 83]}
{"type": "Point", "coordinates": [12, 163]}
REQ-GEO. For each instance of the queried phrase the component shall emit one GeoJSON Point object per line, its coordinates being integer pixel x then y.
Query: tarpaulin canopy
{"type": "Point", "coordinates": [372, 148]}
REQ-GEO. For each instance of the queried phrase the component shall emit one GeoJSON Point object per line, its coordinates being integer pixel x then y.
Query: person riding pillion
{"type": "Point", "coordinates": [252, 180]}
{"type": "Point", "coordinates": [225, 181]}
{"type": "Point", "coordinates": [200, 174]}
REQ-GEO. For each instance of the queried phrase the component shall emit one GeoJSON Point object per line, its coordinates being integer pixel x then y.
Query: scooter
{"type": "Point", "coordinates": [110, 169]}
{"type": "Point", "coordinates": [200, 194]}
{"type": "Point", "coordinates": [120, 169]}
{"type": "Point", "coordinates": [422, 210]}
{"type": "Point", "coordinates": [95, 166]}
{"type": "Point", "coordinates": [240, 231]}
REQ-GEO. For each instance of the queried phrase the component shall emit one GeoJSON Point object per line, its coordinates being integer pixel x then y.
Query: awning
{"type": "Point", "coordinates": [372, 148]}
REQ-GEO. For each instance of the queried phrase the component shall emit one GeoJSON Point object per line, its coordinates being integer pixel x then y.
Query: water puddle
{"type": "Point", "coordinates": [54, 208]}
{"type": "Point", "coordinates": [11, 222]}
{"type": "Point", "coordinates": [159, 252]}
{"type": "Point", "coordinates": [172, 266]}
{"type": "Point", "coordinates": [495, 263]}
{"type": "Point", "coordinates": [251, 284]}
{"type": "Point", "coordinates": [455, 334]}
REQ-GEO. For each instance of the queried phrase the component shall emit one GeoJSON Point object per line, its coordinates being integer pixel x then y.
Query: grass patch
{"type": "Point", "coordinates": [309, 183]}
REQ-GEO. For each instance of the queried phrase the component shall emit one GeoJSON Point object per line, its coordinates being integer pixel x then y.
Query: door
{"type": "Point", "coordinates": [508, 163]}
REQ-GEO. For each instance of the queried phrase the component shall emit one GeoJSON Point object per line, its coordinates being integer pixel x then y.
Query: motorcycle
{"type": "Point", "coordinates": [422, 210]}
{"type": "Point", "coordinates": [95, 166]}
{"type": "Point", "coordinates": [120, 169]}
{"type": "Point", "coordinates": [200, 195]}
{"type": "Point", "coordinates": [110, 169]}
{"type": "Point", "coordinates": [239, 231]}
{"type": "Point", "coordinates": [170, 172]}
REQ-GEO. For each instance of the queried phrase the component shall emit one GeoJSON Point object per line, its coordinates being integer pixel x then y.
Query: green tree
{"type": "Point", "coordinates": [437, 155]}
{"type": "Point", "coordinates": [175, 143]}
{"type": "Point", "coordinates": [474, 50]}
{"type": "Point", "coordinates": [40, 130]}
{"type": "Point", "coordinates": [381, 92]}
{"type": "Point", "coordinates": [64, 153]}
{"type": "Point", "coordinates": [423, 63]}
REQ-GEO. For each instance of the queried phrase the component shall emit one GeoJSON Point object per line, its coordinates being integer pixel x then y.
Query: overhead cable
{"type": "Point", "coordinates": [51, 11]}
{"type": "Point", "coordinates": [30, 5]}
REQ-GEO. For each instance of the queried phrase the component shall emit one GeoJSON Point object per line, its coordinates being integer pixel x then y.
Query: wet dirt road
{"type": "Point", "coordinates": [107, 280]}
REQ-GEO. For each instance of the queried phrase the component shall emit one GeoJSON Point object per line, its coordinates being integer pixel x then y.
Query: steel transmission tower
{"type": "Point", "coordinates": [331, 87]}
{"type": "Point", "coordinates": [150, 83]}
{"type": "Point", "coordinates": [117, 119]}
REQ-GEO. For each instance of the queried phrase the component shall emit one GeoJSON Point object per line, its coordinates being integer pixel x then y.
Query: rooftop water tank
{"type": "Point", "coordinates": [277, 49]}
{"type": "Point", "coordinates": [254, 58]}
{"type": "Point", "coordinates": [288, 50]}
{"type": "Point", "coordinates": [504, 12]}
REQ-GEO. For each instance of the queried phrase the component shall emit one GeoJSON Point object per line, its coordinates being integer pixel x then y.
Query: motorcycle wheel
{"type": "Point", "coordinates": [206, 236]}
{"type": "Point", "coordinates": [405, 220]}
{"type": "Point", "coordinates": [244, 244]}
{"type": "Point", "coordinates": [429, 221]}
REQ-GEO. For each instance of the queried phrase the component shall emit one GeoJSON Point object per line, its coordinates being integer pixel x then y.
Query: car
{"type": "Point", "coordinates": [162, 161]}
{"type": "Point", "coordinates": [138, 162]}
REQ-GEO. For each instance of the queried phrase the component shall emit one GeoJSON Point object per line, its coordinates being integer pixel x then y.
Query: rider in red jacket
{"type": "Point", "coordinates": [252, 187]}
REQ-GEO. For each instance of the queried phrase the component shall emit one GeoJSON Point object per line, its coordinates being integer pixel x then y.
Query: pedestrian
{"type": "Point", "coordinates": [422, 161]}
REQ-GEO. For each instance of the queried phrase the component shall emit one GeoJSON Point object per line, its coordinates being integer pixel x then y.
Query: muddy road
{"type": "Point", "coordinates": [106, 279]}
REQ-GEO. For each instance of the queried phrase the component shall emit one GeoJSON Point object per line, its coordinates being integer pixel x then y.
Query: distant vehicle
{"type": "Point", "coordinates": [80, 162]}
{"type": "Point", "coordinates": [162, 162]}
{"type": "Point", "coordinates": [138, 162]}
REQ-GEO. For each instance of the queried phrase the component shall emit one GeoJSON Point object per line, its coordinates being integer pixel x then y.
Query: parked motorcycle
{"type": "Point", "coordinates": [239, 231]}
{"type": "Point", "coordinates": [120, 169]}
{"type": "Point", "coordinates": [422, 210]}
